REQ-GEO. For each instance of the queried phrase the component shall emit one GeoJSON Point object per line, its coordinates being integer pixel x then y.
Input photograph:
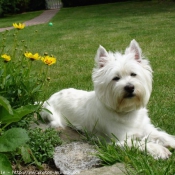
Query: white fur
{"type": "Point", "coordinates": [110, 108]}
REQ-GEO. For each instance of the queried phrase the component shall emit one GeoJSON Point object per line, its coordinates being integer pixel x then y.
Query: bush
{"type": "Point", "coordinates": [13, 6]}
{"type": "Point", "coordinates": [19, 89]}
{"type": "Point", "coordinates": [37, 5]}
{"type": "Point", "coordinates": [72, 3]}
{"type": "Point", "coordinates": [22, 5]}
{"type": "Point", "coordinates": [18, 84]}
{"type": "Point", "coordinates": [9, 142]}
{"type": "Point", "coordinates": [19, 6]}
{"type": "Point", "coordinates": [42, 143]}
{"type": "Point", "coordinates": [1, 11]}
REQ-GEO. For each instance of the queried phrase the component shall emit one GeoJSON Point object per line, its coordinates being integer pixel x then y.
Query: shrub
{"type": "Point", "coordinates": [19, 89]}
{"type": "Point", "coordinates": [22, 5]}
{"type": "Point", "coordinates": [42, 143]}
{"type": "Point", "coordinates": [1, 11]}
{"type": "Point", "coordinates": [9, 141]}
{"type": "Point", "coordinates": [72, 3]}
{"type": "Point", "coordinates": [19, 6]}
{"type": "Point", "coordinates": [13, 138]}
{"type": "Point", "coordinates": [37, 5]}
{"type": "Point", "coordinates": [13, 6]}
{"type": "Point", "coordinates": [18, 83]}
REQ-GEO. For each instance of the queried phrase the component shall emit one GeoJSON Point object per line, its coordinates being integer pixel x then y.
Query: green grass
{"type": "Point", "coordinates": [135, 161]}
{"type": "Point", "coordinates": [8, 20]}
{"type": "Point", "coordinates": [75, 36]}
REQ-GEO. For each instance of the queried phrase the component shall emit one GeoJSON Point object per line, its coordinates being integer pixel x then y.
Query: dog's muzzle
{"type": "Point", "coordinates": [129, 91]}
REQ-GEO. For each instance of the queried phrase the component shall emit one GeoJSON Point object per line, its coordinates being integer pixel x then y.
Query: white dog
{"type": "Point", "coordinates": [123, 85]}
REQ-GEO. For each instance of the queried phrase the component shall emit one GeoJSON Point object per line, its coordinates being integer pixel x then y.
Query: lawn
{"type": "Point", "coordinates": [75, 36]}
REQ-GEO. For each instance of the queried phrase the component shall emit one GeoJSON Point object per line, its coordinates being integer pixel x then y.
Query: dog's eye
{"type": "Point", "coordinates": [116, 78]}
{"type": "Point", "coordinates": [133, 74]}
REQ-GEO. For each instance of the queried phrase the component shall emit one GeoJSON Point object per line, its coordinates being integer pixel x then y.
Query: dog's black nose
{"type": "Point", "coordinates": [129, 88]}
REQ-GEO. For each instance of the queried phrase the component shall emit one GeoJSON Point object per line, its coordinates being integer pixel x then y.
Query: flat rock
{"type": "Point", "coordinates": [116, 169]}
{"type": "Point", "coordinates": [69, 135]}
{"type": "Point", "coordinates": [43, 126]}
{"type": "Point", "coordinates": [75, 157]}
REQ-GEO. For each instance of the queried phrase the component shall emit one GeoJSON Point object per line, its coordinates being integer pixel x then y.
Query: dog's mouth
{"type": "Point", "coordinates": [129, 95]}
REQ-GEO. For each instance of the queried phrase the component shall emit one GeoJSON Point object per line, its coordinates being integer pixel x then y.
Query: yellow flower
{"type": "Point", "coordinates": [32, 56]}
{"type": "Point", "coordinates": [18, 26]}
{"type": "Point", "coordinates": [6, 57]}
{"type": "Point", "coordinates": [49, 60]}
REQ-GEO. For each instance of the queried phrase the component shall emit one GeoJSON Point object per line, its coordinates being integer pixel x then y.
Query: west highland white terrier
{"type": "Point", "coordinates": [117, 106]}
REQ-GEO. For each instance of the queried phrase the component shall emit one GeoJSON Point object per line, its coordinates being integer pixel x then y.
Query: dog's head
{"type": "Point", "coordinates": [123, 82]}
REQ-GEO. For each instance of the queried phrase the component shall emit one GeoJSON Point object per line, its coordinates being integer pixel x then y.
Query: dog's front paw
{"type": "Point", "coordinates": [158, 151]}
{"type": "Point", "coordinates": [170, 142]}
{"type": "Point", "coordinates": [165, 140]}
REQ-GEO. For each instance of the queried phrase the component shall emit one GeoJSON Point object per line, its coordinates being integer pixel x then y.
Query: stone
{"type": "Point", "coordinates": [43, 126]}
{"type": "Point", "coordinates": [69, 135]}
{"type": "Point", "coordinates": [116, 169]}
{"type": "Point", "coordinates": [75, 157]}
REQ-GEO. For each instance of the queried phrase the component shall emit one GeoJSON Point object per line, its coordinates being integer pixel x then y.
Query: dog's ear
{"type": "Point", "coordinates": [101, 57]}
{"type": "Point", "coordinates": [135, 48]}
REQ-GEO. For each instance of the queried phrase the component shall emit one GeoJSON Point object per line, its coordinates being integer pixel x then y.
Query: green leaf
{"type": "Point", "coordinates": [25, 153]}
{"type": "Point", "coordinates": [5, 117]}
{"type": "Point", "coordinates": [5, 103]}
{"type": "Point", "coordinates": [5, 166]}
{"type": "Point", "coordinates": [36, 89]}
{"type": "Point", "coordinates": [12, 139]}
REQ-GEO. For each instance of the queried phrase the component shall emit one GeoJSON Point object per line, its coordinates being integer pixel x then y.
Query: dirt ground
{"type": "Point", "coordinates": [48, 169]}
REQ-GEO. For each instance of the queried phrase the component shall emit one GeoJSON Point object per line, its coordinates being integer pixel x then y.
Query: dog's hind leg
{"type": "Point", "coordinates": [49, 113]}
